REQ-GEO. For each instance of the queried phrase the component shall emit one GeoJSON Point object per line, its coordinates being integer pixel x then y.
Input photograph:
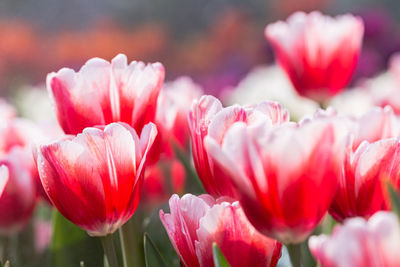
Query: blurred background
{"type": "Point", "coordinates": [216, 41]}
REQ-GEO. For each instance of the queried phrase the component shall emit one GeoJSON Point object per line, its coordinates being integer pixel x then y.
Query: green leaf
{"type": "Point", "coordinates": [156, 231]}
{"type": "Point", "coordinates": [152, 254]}
{"type": "Point", "coordinates": [219, 258]}
{"type": "Point", "coordinates": [394, 198]}
{"type": "Point", "coordinates": [71, 245]}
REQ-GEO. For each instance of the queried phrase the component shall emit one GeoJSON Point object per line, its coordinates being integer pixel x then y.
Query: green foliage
{"type": "Point", "coordinates": [156, 231]}
{"type": "Point", "coordinates": [71, 245]}
{"type": "Point", "coordinates": [152, 255]}
{"type": "Point", "coordinates": [219, 258]}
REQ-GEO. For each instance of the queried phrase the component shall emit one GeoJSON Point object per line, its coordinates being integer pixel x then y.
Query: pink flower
{"type": "Point", "coordinates": [103, 92]}
{"type": "Point", "coordinates": [360, 243]}
{"type": "Point", "coordinates": [18, 199]}
{"type": "Point", "coordinates": [362, 190]}
{"type": "Point", "coordinates": [174, 103]}
{"type": "Point", "coordinates": [208, 117]}
{"type": "Point", "coordinates": [24, 135]}
{"type": "Point", "coordinates": [376, 124]}
{"type": "Point", "coordinates": [195, 223]}
{"type": "Point", "coordinates": [319, 53]}
{"type": "Point", "coordinates": [286, 177]}
{"type": "Point", "coordinates": [95, 179]}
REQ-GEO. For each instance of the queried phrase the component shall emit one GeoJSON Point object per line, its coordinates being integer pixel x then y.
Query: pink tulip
{"type": "Point", "coordinates": [174, 103]}
{"type": "Point", "coordinates": [362, 190]}
{"type": "Point", "coordinates": [376, 124]}
{"type": "Point", "coordinates": [208, 117]}
{"type": "Point", "coordinates": [23, 134]}
{"type": "Point", "coordinates": [370, 162]}
{"type": "Point", "coordinates": [95, 179]}
{"type": "Point", "coordinates": [360, 243]}
{"type": "Point", "coordinates": [319, 53]}
{"type": "Point", "coordinates": [18, 199]}
{"type": "Point", "coordinates": [103, 92]}
{"type": "Point", "coordinates": [286, 177]}
{"type": "Point", "coordinates": [195, 223]}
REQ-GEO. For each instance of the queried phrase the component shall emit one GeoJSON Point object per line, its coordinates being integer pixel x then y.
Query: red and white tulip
{"type": "Point", "coordinates": [287, 177]}
{"type": "Point", "coordinates": [360, 243]}
{"type": "Point", "coordinates": [319, 53]}
{"type": "Point", "coordinates": [208, 117]}
{"type": "Point", "coordinates": [195, 223]}
{"type": "Point", "coordinates": [95, 179]}
{"type": "Point", "coordinates": [103, 92]}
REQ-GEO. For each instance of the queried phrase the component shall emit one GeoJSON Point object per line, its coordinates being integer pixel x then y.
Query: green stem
{"type": "Point", "coordinates": [131, 244]}
{"type": "Point", "coordinates": [295, 254]}
{"type": "Point", "coordinates": [109, 250]}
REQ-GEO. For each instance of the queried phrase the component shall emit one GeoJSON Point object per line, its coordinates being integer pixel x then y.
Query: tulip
{"type": "Point", "coordinates": [362, 190]}
{"type": "Point", "coordinates": [195, 223]}
{"type": "Point", "coordinates": [360, 243]}
{"type": "Point", "coordinates": [24, 135]}
{"type": "Point", "coordinates": [287, 177]}
{"type": "Point", "coordinates": [95, 179]}
{"type": "Point", "coordinates": [208, 117]}
{"type": "Point", "coordinates": [376, 124]}
{"type": "Point", "coordinates": [103, 92]}
{"type": "Point", "coordinates": [163, 179]}
{"type": "Point", "coordinates": [174, 103]}
{"type": "Point", "coordinates": [318, 53]}
{"type": "Point", "coordinates": [18, 198]}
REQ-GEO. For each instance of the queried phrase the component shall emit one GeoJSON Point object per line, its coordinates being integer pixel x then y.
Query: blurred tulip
{"type": "Point", "coordinates": [360, 243]}
{"type": "Point", "coordinates": [25, 135]}
{"type": "Point", "coordinates": [42, 230]}
{"type": "Point", "coordinates": [208, 117]}
{"type": "Point", "coordinates": [319, 53]}
{"type": "Point", "coordinates": [286, 177]}
{"type": "Point", "coordinates": [19, 132]}
{"type": "Point", "coordinates": [174, 103]}
{"type": "Point", "coordinates": [384, 89]}
{"type": "Point", "coordinates": [362, 189]}
{"type": "Point", "coordinates": [162, 180]}
{"type": "Point", "coordinates": [19, 197]}
{"type": "Point", "coordinates": [103, 92]}
{"type": "Point", "coordinates": [376, 124]}
{"type": "Point", "coordinates": [195, 223]}
{"type": "Point", "coordinates": [95, 179]}
{"type": "Point", "coordinates": [270, 83]}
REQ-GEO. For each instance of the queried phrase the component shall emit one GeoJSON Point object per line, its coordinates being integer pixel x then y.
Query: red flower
{"type": "Point", "coordinates": [18, 200]}
{"type": "Point", "coordinates": [287, 177]}
{"type": "Point", "coordinates": [163, 179]}
{"type": "Point", "coordinates": [95, 179]}
{"type": "Point", "coordinates": [318, 53]}
{"type": "Point", "coordinates": [174, 103]}
{"type": "Point", "coordinates": [103, 92]}
{"type": "Point", "coordinates": [208, 117]}
{"type": "Point", "coordinates": [362, 190]}
{"type": "Point", "coordinates": [195, 223]}
{"type": "Point", "coordinates": [360, 243]}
